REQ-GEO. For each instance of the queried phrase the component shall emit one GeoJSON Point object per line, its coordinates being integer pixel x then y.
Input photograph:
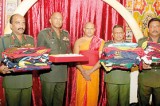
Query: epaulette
{"type": "Point", "coordinates": [28, 36]}
{"type": "Point", "coordinates": [143, 38]}
{"type": "Point", "coordinates": [45, 29]}
{"type": "Point", "coordinates": [65, 31]}
{"type": "Point", "coordinates": [108, 42]}
{"type": "Point", "coordinates": [6, 36]}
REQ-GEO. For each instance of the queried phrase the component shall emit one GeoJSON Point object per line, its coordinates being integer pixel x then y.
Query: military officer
{"type": "Point", "coordinates": [149, 79]}
{"type": "Point", "coordinates": [54, 81]}
{"type": "Point", "coordinates": [17, 87]}
{"type": "Point", "coordinates": [117, 81]}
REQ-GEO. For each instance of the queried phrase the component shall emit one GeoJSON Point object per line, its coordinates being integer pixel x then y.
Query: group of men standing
{"type": "Point", "coordinates": [18, 87]}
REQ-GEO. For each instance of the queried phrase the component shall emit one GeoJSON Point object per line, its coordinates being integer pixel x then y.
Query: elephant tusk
{"type": "Point", "coordinates": [21, 9]}
{"type": "Point", "coordinates": [127, 16]}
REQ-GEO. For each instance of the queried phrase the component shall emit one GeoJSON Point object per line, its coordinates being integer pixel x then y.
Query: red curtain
{"type": "Point", "coordinates": [75, 13]}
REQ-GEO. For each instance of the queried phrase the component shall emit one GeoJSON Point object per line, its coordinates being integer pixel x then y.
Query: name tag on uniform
{"type": "Point", "coordinates": [10, 46]}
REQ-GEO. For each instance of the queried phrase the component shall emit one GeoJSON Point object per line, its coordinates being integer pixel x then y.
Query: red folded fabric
{"type": "Point", "coordinates": [14, 53]}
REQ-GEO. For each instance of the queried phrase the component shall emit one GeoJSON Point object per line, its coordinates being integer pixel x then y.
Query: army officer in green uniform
{"type": "Point", "coordinates": [17, 86]}
{"type": "Point", "coordinates": [149, 79]}
{"type": "Point", "coordinates": [117, 80]}
{"type": "Point", "coordinates": [54, 81]}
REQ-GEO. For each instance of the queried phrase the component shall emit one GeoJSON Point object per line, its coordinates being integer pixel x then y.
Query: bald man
{"type": "Point", "coordinates": [87, 83]}
{"type": "Point", "coordinates": [54, 81]}
{"type": "Point", "coordinates": [17, 86]}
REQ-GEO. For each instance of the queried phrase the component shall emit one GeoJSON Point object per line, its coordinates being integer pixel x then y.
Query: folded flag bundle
{"type": "Point", "coordinates": [26, 59]}
{"type": "Point", "coordinates": [152, 52]}
{"type": "Point", "coordinates": [121, 56]}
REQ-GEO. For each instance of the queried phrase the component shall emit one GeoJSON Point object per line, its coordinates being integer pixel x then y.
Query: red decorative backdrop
{"type": "Point", "coordinates": [2, 2]}
{"type": "Point", "coordinates": [75, 13]}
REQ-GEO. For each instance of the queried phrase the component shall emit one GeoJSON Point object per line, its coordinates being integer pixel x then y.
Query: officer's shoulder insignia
{"type": "Point", "coordinates": [65, 31]}
{"type": "Point", "coordinates": [144, 44]}
{"type": "Point", "coordinates": [45, 30]}
{"type": "Point", "coordinates": [6, 36]}
{"type": "Point", "coordinates": [28, 36]}
{"type": "Point", "coordinates": [144, 38]}
{"type": "Point", "coordinates": [107, 43]}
